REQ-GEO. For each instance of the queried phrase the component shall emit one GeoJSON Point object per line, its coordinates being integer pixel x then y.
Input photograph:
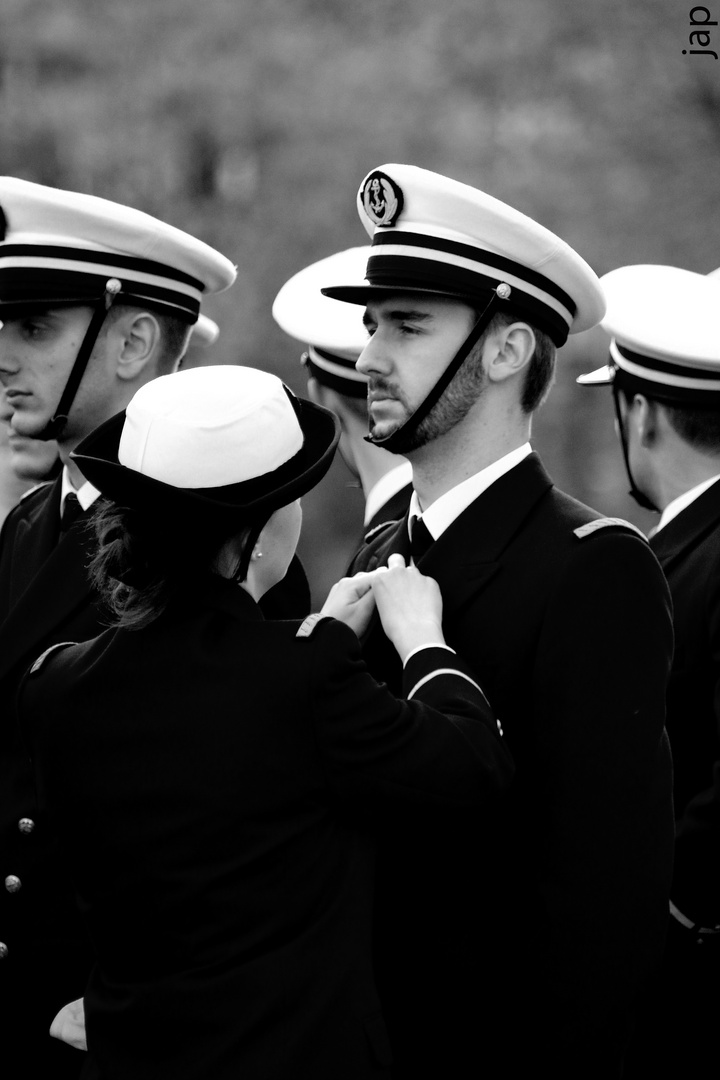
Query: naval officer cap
{"type": "Point", "coordinates": [333, 333]}
{"type": "Point", "coordinates": [664, 324]}
{"type": "Point", "coordinates": [63, 247]}
{"type": "Point", "coordinates": [431, 234]}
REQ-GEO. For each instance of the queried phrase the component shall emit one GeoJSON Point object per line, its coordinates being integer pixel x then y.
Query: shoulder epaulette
{"type": "Point", "coordinates": [605, 523]}
{"type": "Point", "coordinates": [36, 487]}
{"type": "Point", "coordinates": [307, 628]}
{"type": "Point", "coordinates": [43, 656]}
{"type": "Point", "coordinates": [377, 529]}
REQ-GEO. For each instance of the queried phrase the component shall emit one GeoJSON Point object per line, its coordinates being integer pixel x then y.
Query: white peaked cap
{"type": "Point", "coordinates": [664, 324]}
{"type": "Point", "coordinates": [301, 310]}
{"type": "Point", "coordinates": [64, 246]}
{"type": "Point", "coordinates": [332, 331]}
{"type": "Point", "coordinates": [433, 234]}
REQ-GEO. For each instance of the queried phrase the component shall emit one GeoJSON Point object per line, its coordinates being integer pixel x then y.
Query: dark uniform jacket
{"type": "Point", "coordinates": [688, 548]}
{"type": "Point", "coordinates": [207, 775]}
{"type": "Point", "coordinates": [513, 944]}
{"type": "Point", "coordinates": [45, 597]}
{"type": "Point", "coordinates": [394, 509]}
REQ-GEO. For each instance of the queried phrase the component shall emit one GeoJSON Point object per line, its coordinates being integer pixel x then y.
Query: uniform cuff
{"type": "Point", "coordinates": [430, 645]}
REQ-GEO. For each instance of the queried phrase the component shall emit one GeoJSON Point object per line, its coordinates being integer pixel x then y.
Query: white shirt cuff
{"type": "Point", "coordinates": [430, 645]}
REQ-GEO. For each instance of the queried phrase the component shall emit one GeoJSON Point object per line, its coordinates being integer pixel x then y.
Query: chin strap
{"type": "Point", "coordinates": [641, 499]}
{"type": "Point", "coordinates": [398, 441]}
{"type": "Point", "coordinates": [55, 427]}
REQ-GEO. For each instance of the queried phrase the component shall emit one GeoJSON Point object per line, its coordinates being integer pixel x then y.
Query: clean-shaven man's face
{"type": "Point", "coordinates": [37, 353]}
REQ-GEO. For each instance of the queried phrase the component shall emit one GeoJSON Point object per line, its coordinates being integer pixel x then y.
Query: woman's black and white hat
{"type": "Point", "coordinates": [435, 235]}
{"type": "Point", "coordinates": [664, 324]}
{"type": "Point", "coordinates": [227, 441]}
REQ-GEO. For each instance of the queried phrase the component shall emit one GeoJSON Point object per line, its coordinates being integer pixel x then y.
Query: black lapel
{"type": "Point", "coordinates": [35, 538]}
{"type": "Point", "coordinates": [394, 539]}
{"type": "Point", "coordinates": [469, 552]}
{"type": "Point", "coordinates": [464, 558]}
{"type": "Point", "coordinates": [689, 528]}
{"type": "Point", "coordinates": [57, 587]}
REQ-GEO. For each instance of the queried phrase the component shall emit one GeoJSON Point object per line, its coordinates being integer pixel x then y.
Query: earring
{"type": "Point", "coordinates": [257, 554]}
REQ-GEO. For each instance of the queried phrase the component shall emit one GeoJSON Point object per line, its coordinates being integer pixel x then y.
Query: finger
{"type": "Point", "coordinates": [396, 560]}
{"type": "Point", "coordinates": [363, 585]}
{"type": "Point", "coordinates": [364, 576]}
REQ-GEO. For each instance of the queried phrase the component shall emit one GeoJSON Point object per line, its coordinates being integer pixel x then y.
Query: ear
{"type": "Point", "coordinates": [314, 391]}
{"type": "Point", "coordinates": [508, 351]}
{"type": "Point", "coordinates": [644, 415]}
{"type": "Point", "coordinates": [137, 339]}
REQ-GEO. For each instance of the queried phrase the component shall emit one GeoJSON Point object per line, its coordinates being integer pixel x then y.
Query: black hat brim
{"type": "Point", "coordinates": [361, 294]}
{"type": "Point", "coordinates": [97, 458]}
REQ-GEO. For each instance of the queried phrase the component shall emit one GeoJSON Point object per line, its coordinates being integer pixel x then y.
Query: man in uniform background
{"type": "Point", "coordinates": [513, 942]}
{"type": "Point", "coordinates": [27, 462]}
{"type": "Point", "coordinates": [665, 373]}
{"type": "Point", "coordinates": [334, 336]}
{"type": "Point", "coordinates": [95, 300]}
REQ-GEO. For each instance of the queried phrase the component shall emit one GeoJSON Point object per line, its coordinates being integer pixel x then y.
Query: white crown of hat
{"type": "Point", "coordinates": [480, 235]}
{"type": "Point", "coordinates": [301, 310]}
{"type": "Point", "coordinates": [210, 427]}
{"type": "Point", "coordinates": [49, 230]}
{"type": "Point", "coordinates": [664, 324]}
{"type": "Point", "coordinates": [665, 313]}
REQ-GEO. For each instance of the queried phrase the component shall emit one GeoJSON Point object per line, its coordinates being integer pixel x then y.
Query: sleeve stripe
{"type": "Point", "coordinates": [430, 645]}
{"type": "Point", "coordinates": [445, 671]}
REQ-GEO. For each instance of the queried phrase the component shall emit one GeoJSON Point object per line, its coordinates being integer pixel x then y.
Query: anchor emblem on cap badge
{"type": "Point", "coordinates": [382, 199]}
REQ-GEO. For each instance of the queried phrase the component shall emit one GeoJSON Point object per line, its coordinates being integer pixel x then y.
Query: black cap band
{"type": "Point", "coordinates": [330, 369]}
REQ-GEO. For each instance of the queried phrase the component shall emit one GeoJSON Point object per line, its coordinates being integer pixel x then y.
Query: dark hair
{"type": "Point", "coordinates": [697, 425]}
{"type": "Point", "coordinates": [541, 369]}
{"type": "Point", "coordinates": [142, 561]}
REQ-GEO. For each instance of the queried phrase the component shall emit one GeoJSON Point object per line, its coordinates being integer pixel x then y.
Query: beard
{"type": "Point", "coordinates": [464, 391]}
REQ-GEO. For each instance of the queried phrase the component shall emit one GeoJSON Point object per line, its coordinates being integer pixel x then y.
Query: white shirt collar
{"type": "Point", "coordinates": [387, 486]}
{"type": "Point", "coordinates": [683, 501]}
{"type": "Point", "coordinates": [86, 493]}
{"type": "Point", "coordinates": [444, 510]}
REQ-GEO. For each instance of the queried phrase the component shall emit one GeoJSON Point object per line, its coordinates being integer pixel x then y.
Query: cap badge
{"type": "Point", "coordinates": [382, 199]}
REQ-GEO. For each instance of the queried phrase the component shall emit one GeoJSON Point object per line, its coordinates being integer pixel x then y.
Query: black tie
{"type": "Point", "coordinates": [420, 538]}
{"type": "Point", "coordinates": [71, 511]}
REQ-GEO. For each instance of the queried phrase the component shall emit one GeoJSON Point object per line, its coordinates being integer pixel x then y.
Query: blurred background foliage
{"type": "Point", "coordinates": [251, 122]}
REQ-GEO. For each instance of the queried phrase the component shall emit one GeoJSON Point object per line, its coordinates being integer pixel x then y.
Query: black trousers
{"type": "Point", "coordinates": [677, 1027]}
